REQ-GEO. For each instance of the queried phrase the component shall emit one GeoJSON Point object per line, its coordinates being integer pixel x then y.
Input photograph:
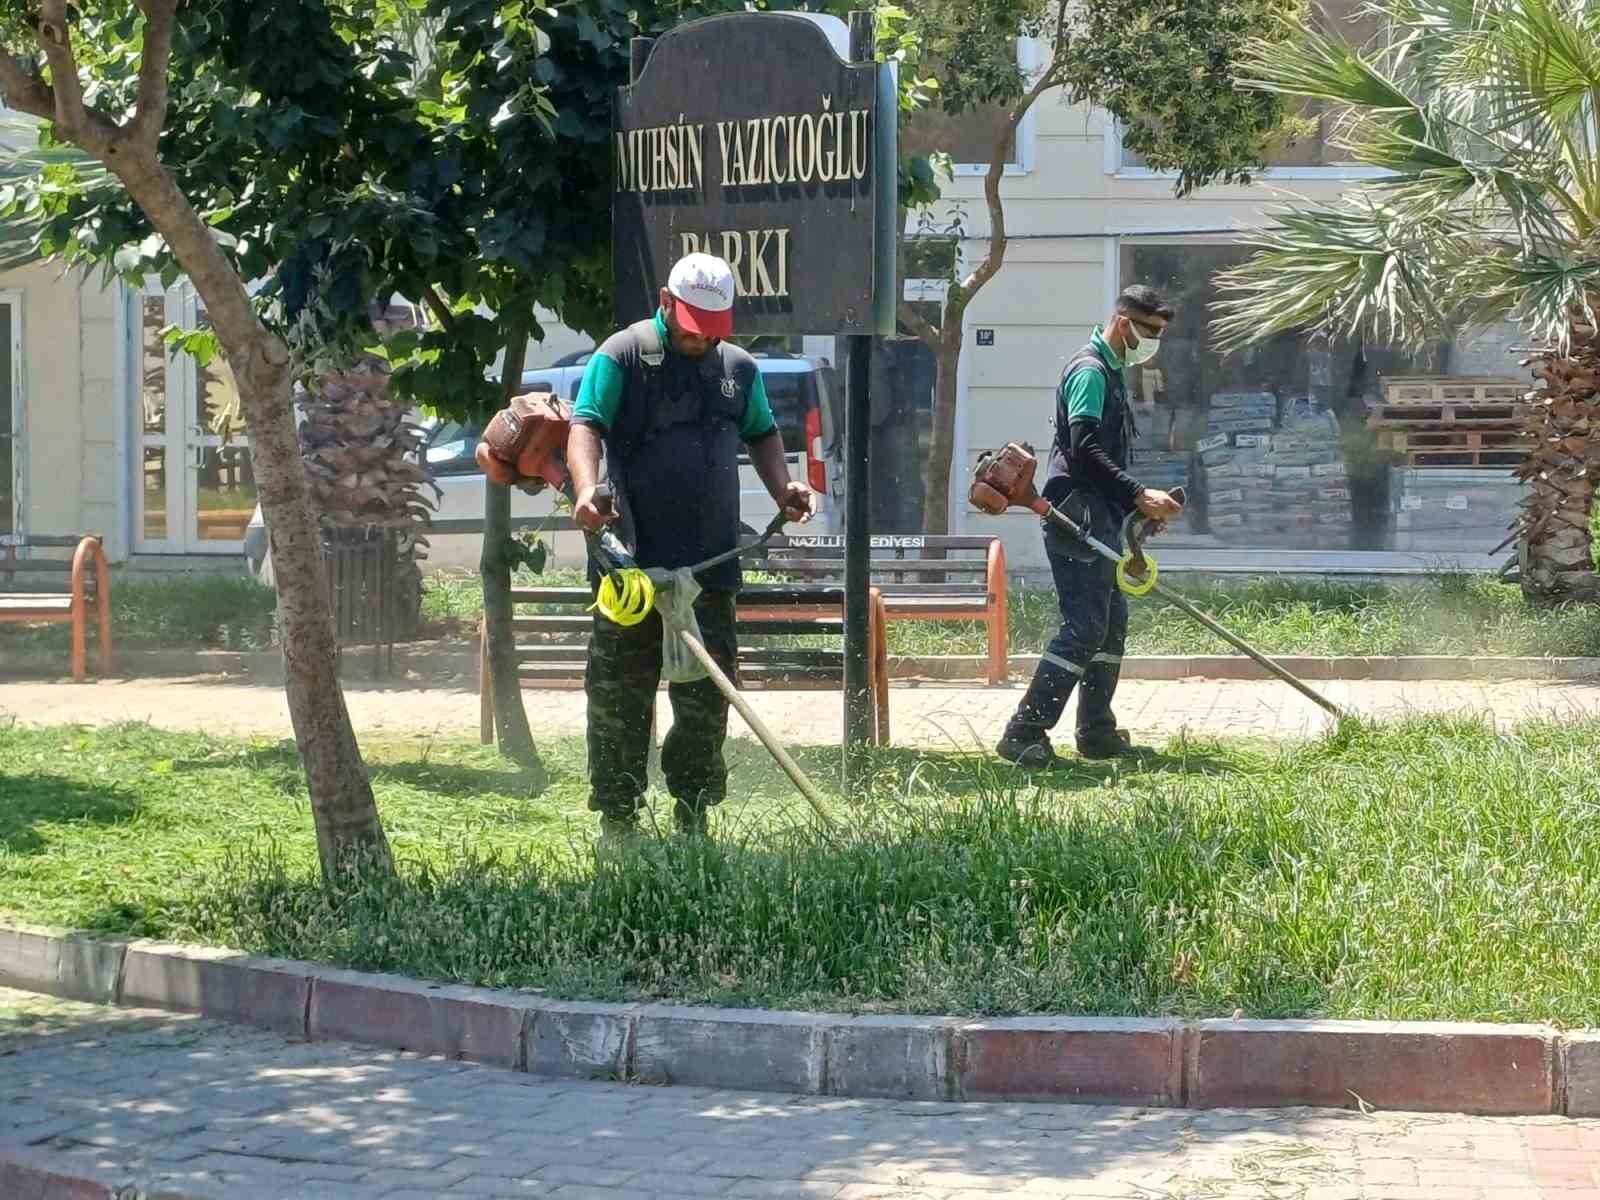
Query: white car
{"type": "Point", "coordinates": [806, 401]}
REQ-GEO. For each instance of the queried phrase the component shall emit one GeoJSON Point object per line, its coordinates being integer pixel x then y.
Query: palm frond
{"type": "Point", "coordinates": [1358, 268]}
{"type": "Point", "coordinates": [27, 169]}
{"type": "Point", "coordinates": [1315, 66]}
{"type": "Point", "coordinates": [1540, 291]}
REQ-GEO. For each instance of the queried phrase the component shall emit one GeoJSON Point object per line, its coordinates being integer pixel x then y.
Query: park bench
{"type": "Point", "coordinates": [966, 581]}
{"type": "Point", "coordinates": [552, 647]}
{"type": "Point", "coordinates": [87, 582]}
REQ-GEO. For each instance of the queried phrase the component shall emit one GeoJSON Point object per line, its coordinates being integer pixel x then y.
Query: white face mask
{"type": "Point", "coordinates": [1147, 349]}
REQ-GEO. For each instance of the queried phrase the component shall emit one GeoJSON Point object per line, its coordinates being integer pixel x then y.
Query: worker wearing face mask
{"type": "Point", "coordinates": [1088, 478]}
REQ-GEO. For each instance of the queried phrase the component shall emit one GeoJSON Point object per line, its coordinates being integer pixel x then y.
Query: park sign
{"type": "Point", "coordinates": [747, 136]}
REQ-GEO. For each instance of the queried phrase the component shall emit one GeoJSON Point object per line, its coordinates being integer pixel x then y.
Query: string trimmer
{"type": "Point", "coordinates": [1005, 479]}
{"type": "Point", "coordinates": [525, 446]}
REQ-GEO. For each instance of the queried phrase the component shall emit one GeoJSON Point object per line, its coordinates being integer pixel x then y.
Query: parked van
{"type": "Point", "coordinates": [806, 402]}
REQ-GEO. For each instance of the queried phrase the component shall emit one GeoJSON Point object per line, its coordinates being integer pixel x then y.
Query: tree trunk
{"type": "Point", "coordinates": [1555, 542]}
{"type": "Point", "coordinates": [936, 512]}
{"type": "Point", "coordinates": [510, 718]}
{"type": "Point", "coordinates": [342, 805]}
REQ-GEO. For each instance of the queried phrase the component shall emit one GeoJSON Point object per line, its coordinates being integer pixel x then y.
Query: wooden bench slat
{"type": "Point", "coordinates": [763, 628]}
{"type": "Point", "coordinates": [818, 594]}
{"type": "Point", "coordinates": [40, 603]}
{"type": "Point", "coordinates": [57, 541]}
{"type": "Point", "coordinates": [58, 566]}
{"type": "Point", "coordinates": [977, 589]}
{"type": "Point", "coordinates": [889, 566]}
{"type": "Point", "coordinates": [930, 541]}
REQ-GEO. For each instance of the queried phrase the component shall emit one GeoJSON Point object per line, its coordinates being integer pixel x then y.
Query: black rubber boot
{"type": "Point", "coordinates": [691, 820]}
{"type": "Point", "coordinates": [1029, 753]}
{"type": "Point", "coordinates": [1105, 745]}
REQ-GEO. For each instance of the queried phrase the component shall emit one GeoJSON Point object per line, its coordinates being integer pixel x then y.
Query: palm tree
{"type": "Point", "coordinates": [1483, 115]}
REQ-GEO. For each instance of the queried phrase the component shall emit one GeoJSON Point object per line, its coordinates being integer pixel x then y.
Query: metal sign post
{"type": "Point", "coordinates": [752, 136]}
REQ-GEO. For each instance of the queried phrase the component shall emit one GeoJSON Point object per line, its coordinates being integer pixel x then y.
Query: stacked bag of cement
{"type": "Point", "coordinates": [1233, 463]}
{"type": "Point", "coordinates": [1271, 478]}
{"type": "Point", "coordinates": [1163, 470]}
{"type": "Point", "coordinates": [1310, 485]}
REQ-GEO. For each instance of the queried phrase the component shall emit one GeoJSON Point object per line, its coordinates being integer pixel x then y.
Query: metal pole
{"type": "Point", "coordinates": [638, 53]}
{"type": "Point", "coordinates": [858, 709]}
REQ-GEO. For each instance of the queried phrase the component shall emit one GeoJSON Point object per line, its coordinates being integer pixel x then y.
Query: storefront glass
{"type": "Point", "coordinates": [1303, 444]}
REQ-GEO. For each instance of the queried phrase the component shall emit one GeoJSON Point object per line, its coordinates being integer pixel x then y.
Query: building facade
{"type": "Point", "coordinates": [1299, 455]}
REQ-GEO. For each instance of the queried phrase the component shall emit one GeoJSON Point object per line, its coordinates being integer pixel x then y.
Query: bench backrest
{"type": "Point", "coordinates": [764, 610]}
{"type": "Point", "coordinates": [898, 565]}
{"type": "Point", "coordinates": [12, 564]}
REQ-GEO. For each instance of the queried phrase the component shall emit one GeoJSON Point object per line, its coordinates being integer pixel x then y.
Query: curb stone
{"type": "Point", "coordinates": [1419, 1066]}
{"type": "Point", "coordinates": [25, 1175]}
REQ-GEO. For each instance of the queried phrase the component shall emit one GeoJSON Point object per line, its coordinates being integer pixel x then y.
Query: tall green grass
{"type": "Point", "coordinates": [1429, 869]}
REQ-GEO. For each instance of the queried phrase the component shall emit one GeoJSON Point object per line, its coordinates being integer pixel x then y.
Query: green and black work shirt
{"type": "Point", "coordinates": [672, 427]}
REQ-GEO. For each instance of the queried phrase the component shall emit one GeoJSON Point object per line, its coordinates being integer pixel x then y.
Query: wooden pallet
{"type": "Point", "coordinates": [1432, 390]}
{"type": "Point", "coordinates": [1459, 415]}
{"type": "Point", "coordinates": [1406, 441]}
{"type": "Point", "coordinates": [1448, 457]}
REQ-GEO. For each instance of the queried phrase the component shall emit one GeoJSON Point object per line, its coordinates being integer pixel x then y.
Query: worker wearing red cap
{"type": "Point", "coordinates": [669, 401]}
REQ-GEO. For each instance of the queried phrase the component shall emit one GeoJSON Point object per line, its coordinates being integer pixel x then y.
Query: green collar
{"type": "Point", "coordinates": [661, 329]}
{"type": "Point", "coordinates": [1097, 339]}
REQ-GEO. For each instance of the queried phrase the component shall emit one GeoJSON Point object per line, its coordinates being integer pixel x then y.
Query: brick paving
{"type": "Point", "coordinates": [181, 1107]}
{"type": "Point", "coordinates": [938, 717]}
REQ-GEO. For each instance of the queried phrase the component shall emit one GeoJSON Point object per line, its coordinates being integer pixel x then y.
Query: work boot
{"type": "Point", "coordinates": [618, 832]}
{"type": "Point", "coordinates": [690, 819]}
{"type": "Point", "coordinates": [1105, 745]}
{"type": "Point", "coordinates": [1032, 754]}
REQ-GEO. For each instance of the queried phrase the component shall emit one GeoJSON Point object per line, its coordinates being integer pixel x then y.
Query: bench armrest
{"type": "Point", "coordinates": [90, 550]}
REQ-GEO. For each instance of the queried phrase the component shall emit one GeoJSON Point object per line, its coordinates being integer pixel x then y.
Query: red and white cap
{"type": "Point", "coordinates": [705, 288]}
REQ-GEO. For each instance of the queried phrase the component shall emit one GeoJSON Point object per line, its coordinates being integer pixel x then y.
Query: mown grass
{"type": "Point", "coordinates": [1429, 869]}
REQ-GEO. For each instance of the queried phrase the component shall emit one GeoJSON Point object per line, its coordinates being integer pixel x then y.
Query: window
{"type": "Point", "coordinates": [791, 394]}
{"type": "Point", "coordinates": [1306, 141]}
{"type": "Point", "coordinates": [969, 137]}
{"type": "Point", "coordinates": [1302, 444]}
{"type": "Point", "coordinates": [451, 448]}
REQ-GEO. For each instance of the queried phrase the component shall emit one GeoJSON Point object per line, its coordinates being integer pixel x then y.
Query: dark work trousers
{"type": "Point", "coordinates": [623, 673]}
{"type": "Point", "coordinates": [1086, 653]}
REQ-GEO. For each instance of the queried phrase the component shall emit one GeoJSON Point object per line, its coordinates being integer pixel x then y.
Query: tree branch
{"type": "Point", "coordinates": [919, 325]}
{"type": "Point", "coordinates": [73, 120]}
{"type": "Point", "coordinates": [151, 114]}
{"type": "Point", "coordinates": [56, 37]}
{"type": "Point", "coordinates": [440, 308]}
{"type": "Point", "coordinates": [25, 90]}
{"type": "Point", "coordinates": [995, 259]}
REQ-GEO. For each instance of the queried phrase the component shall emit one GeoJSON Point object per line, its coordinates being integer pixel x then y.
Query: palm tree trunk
{"type": "Point", "coordinates": [1555, 545]}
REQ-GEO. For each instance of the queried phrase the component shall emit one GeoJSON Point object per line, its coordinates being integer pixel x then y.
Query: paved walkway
{"type": "Point", "coordinates": [192, 1109]}
{"type": "Point", "coordinates": [921, 716]}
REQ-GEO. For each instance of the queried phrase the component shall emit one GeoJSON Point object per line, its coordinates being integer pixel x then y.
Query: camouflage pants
{"type": "Point", "coordinates": [623, 673]}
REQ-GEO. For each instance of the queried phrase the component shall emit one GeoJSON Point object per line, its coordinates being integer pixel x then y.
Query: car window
{"type": "Point", "coordinates": [451, 447]}
{"type": "Point", "coordinates": [790, 394]}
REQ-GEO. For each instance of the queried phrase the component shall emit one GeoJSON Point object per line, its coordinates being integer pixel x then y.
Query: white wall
{"type": "Point", "coordinates": [73, 431]}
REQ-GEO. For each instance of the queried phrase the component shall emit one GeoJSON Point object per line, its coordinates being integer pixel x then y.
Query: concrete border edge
{"type": "Point", "coordinates": [1474, 1067]}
